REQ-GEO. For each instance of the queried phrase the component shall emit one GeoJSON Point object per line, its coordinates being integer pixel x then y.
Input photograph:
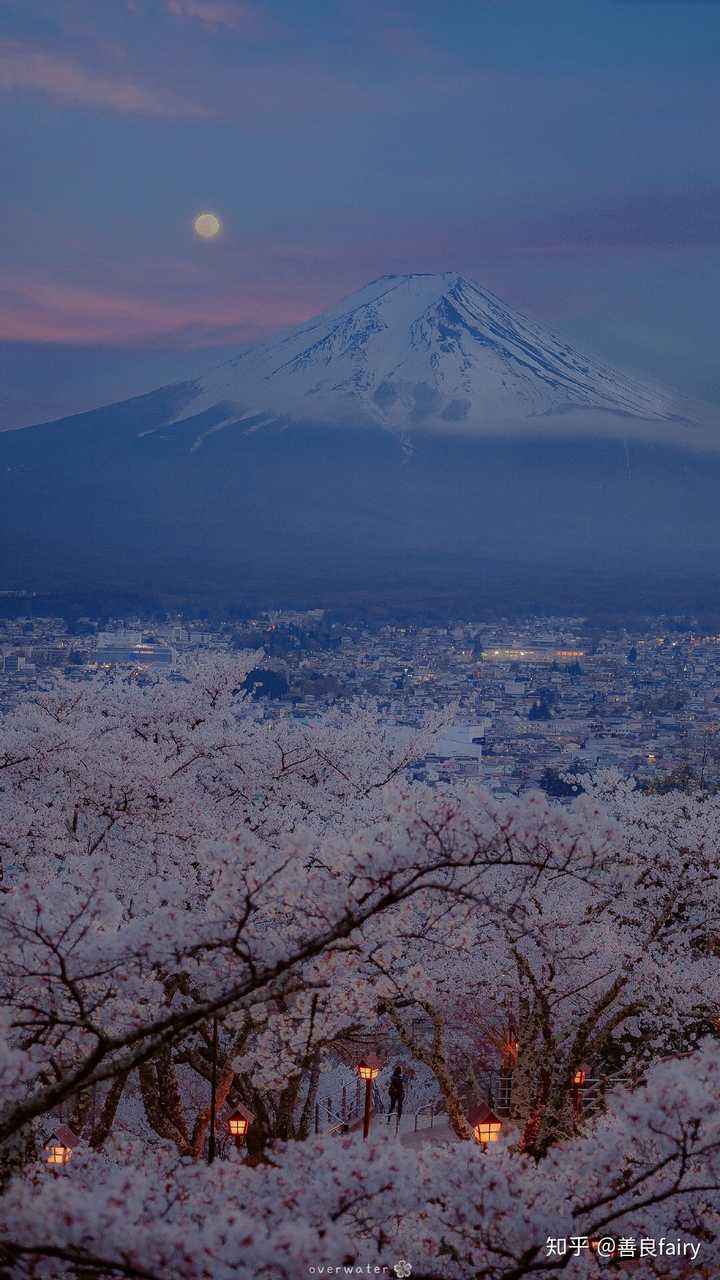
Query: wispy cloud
{"type": "Point", "coordinates": [246, 288]}
{"type": "Point", "coordinates": [27, 69]}
{"type": "Point", "coordinates": [221, 13]}
{"type": "Point", "coordinates": [47, 309]}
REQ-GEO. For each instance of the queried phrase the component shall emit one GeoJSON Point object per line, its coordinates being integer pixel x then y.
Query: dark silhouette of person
{"type": "Point", "coordinates": [396, 1092]}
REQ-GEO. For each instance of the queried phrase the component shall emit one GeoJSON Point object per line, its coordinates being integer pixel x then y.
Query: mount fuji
{"type": "Point", "coordinates": [421, 438]}
{"type": "Point", "coordinates": [428, 352]}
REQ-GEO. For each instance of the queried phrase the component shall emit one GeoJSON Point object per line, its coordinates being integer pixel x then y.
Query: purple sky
{"type": "Point", "coordinates": [564, 154]}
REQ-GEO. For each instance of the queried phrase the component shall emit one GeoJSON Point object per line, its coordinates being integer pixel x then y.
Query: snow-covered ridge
{"type": "Point", "coordinates": [433, 352]}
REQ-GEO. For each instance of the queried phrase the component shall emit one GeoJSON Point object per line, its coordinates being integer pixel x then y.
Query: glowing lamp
{"type": "Point", "coordinates": [578, 1083]}
{"type": "Point", "coordinates": [238, 1124]}
{"type": "Point", "coordinates": [60, 1144]}
{"type": "Point", "coordinates": [369, 1067]}
{"type": "Point", "coordinates": [486, 1126]}
{"type": "Point", "coordinates": [488, 1131]}
{"type": "Point", "coordinates": [58, 1153]}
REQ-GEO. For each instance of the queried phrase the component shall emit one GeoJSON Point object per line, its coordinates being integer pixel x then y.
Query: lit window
{"type": "Point", "coordinates": [489, 1132]}
{"type": "Point", "coordinates": [59, 1154]}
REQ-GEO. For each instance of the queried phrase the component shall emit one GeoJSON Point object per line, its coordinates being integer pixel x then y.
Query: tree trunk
{"type": "Point", "coordinates": [434, 1057]}
{"type": "Point", "coordinates": [158, 1117]}
{"type": "Point", "coordinates": [284, 1127]}
{"type": "Point", "coordinates": [81, 1111]}
{"type": "Point", "coordinates": [17, 1152]}
{"type": "Point", "coordinates": [306, 1117]}
{"type": "Point", "coordinates": [103, 1126]}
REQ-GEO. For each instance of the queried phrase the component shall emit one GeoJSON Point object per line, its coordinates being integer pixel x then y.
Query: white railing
{"type": "Point", "coordinates": [429, 1110]}
{"type": "Point", "coordinates": [331, 1118]}
{"type": "Point", "coordinates": [591, 1096]}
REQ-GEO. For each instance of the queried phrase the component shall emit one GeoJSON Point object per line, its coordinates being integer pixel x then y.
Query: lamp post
{"type": "Point", "coordinates": [486, 1126]}
{"type": "Point", "coordinates": [578, 1084]}
{"type": "Point", "coordinates": [238, 1125]}
{"type": "Point", "coordinates": [213, 1091]}
{"type": "Point", "coordinates": [368, 1070]}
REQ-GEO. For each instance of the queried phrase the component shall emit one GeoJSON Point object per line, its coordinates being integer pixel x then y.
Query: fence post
{"type": "Point", "coordinates": [317, 1117]}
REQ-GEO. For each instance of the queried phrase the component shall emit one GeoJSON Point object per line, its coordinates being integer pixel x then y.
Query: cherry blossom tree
{"type": "Point", "coordinates": [611, 963]}
{"type": "Point", "coordinates": [112, 793]}
{"type": "Point", "coordinates": [649, 1172]}
{"type": "Point", "coordinates": [175, 858]}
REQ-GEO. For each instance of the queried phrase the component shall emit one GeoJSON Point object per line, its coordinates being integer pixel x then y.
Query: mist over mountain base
{"type": "Point", "coordinates": [299, 515]}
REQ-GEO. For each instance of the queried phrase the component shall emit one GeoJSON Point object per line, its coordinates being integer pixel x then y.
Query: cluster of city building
{"type": "Point", "coordinates": [534, 702]}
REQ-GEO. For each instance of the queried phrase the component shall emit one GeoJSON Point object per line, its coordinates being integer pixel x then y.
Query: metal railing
{"type": "Point", "coordinates": [498, 1091]}
{"type": "Point", "coordinates": [432, 1109]}
{"type": "Point", "coordinates": [333, 1119]}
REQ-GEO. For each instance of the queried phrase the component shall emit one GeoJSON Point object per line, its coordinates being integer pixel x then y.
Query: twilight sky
{"type": "Point", "coordinates": [562, 152]}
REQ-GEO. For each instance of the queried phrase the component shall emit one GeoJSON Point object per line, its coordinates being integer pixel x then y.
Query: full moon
{"type": "Point", "coordinates": [207, 226]}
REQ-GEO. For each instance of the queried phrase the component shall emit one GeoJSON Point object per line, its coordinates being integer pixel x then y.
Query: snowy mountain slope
{"type": "Point", "coordinates": [432, 352]}
{"type": "Point", "coordinates": [478, 458]}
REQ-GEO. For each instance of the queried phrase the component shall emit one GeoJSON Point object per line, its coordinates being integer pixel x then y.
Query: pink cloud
{"type": "Point", "coordinates": [24, 69]}
{"type": "Point", "coordinates": [42, 309]}
{"type": "Point", "coordinates": [220, 13]}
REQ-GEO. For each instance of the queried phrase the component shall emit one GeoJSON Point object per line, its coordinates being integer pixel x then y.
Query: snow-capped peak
{"type": "Point", "coordinates": [431, 352]}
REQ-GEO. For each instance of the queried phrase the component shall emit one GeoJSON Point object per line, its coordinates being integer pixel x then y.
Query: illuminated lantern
{"type": "Point", "coordinates": [238, 1124]}
{"type": "Point", "coordinates": [486, 1126]}
{"type": "Point", "coordinates": [60, 1145]}
{"type": "Point", "coordinates": [578, 1084]}
{"type": "Point", "coordinates": [369, 1069]}
{"type": "Point", "coordinates": [58, 1153]}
